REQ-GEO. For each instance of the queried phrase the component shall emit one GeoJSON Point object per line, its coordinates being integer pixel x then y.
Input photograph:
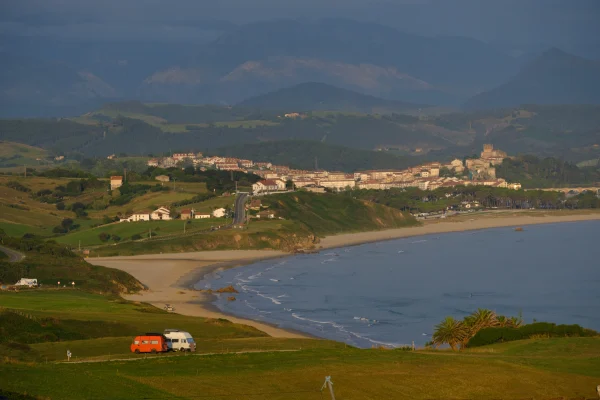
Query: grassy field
{"type": "Point", "coordinates": [125, 230]}
{"type": "Point", "coordinates": [357, 374]}
{"type": "Point", "coordinates": [282, 369]}
{"type": "Point", "coordinates": [74, 304]}
{"type": "Point", "coordinates": [206, 207]}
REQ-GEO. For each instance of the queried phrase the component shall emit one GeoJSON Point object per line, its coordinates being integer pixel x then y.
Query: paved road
{"type": "Point", "coordinates": [240, 209]}
{"type": "Point", "coordinates": [13, 256]}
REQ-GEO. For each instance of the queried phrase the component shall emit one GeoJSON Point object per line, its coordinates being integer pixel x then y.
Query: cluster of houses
{"type": "Point", "coordinates": [164, 214]}
{"type": "Point", "coordinates": [425, 177]}
{"type": "Point", "coordinates": [481, 171]}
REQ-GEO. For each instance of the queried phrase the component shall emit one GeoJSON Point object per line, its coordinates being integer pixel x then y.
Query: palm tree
{"type": "Point", "coordinates": [449, 331]}
{"type": "Point", "coordinates": [482, 318]}
{"type": "Point", "coordinates": [502, 321]}
{"type": "Point", "coordinates": [515, 322]}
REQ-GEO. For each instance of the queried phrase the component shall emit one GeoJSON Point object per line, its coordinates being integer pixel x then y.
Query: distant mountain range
{"type": "Point", "coordinates": [313, 96]}
{"type": "Point", "coordinates": [254, 59]}
{"type": "Point", "coordinates": [555, 77]}
{"type": "Point", "coordinates": [43, 77]}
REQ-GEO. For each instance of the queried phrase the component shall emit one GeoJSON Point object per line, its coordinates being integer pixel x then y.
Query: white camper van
{"type": "Point", "coordinates": [27, 282]}
{"type": "Point", "coordinates": [179, 340]}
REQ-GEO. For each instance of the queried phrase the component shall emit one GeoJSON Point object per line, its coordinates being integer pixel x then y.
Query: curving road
{"type": "Point", "coordinates": [13, 256]}
{"type": "Point", "coordinates": [240, 209]}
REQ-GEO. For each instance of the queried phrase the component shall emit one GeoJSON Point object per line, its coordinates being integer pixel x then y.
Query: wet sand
{"type": "Point", "coordinates": [169, 278]}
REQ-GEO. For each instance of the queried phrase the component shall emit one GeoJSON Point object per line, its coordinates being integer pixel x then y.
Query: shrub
{"type": "Point", "coordinates": [18, 186]}
{"type": "Point", "coordinates": [116, 238]}
{"type": "Point", "coordinates": [59, 229]}
{"type": "Point", "coordinates": [488, 336]}
{"type": "Point", "coordinates": [60, 206]}
{"type": "Point", "coordinates": [137, 236]}
{"type": "Point", "coordinates": [104, 237]}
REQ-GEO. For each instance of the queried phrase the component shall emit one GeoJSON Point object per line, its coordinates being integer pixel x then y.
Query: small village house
{"type": "Point", "coordinates": [186, 213]}
{"type": "Point", "coordinates": [255, 204]}
{"type": "Point", "coordinates": [266, 214]}
{"type": "Point", "coordinates": [163, 178]}
{"type": "Point", "coordinates": [268, 185]}
{"type": "Point", "coordinates": [137, 216]}
{"type": "Point", "coordinates": [162, 213]}
{"type": "Point", "coordinates": [116, 182]}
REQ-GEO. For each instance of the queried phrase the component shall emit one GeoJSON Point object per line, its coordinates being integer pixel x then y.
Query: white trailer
{"type": "Point", "coordinates": [27, 282]}
{"type": "Point", "coordinates": [179, 340]}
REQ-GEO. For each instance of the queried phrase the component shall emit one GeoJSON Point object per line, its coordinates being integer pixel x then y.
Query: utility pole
{"type": "Point", "coordinates": [329, 384]}
{"type": "Point", "coordinates": [184, 222]}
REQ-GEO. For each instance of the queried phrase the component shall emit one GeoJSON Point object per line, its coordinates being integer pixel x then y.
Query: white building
{"type": "Point", "coordinates": [219, 213]}
{"type": "Point", "coordinates": [116, 182]}
{"type": "Point", "coordinates": [162, 213]}
{"type": "Point", "coordinates": [202, 216]}
{"type": "Point", "coordinates": [139, 216]}
{"type": "Point", "coordinates": [268, 185]}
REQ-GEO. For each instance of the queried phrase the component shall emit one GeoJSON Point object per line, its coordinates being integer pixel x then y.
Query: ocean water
{"type": "Point", "coordinates": [394, 292]}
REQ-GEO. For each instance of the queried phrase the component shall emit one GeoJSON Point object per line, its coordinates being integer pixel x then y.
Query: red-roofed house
{"type": "Point", "coordinates": [186, 213]}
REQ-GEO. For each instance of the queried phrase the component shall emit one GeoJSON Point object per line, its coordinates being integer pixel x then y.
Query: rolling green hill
{"type": "Point", "coordinates": [313, 96]}
{"type": "Point", "coordinates": [565, 131]}
{"type": "Point", "coordinates": [303, 154]}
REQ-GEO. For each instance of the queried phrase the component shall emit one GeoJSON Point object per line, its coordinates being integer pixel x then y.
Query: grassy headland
{"type": "Point", "coordinates": [290, 369]}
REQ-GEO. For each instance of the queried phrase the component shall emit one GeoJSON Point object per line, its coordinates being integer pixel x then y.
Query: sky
{"type": "Point", "coordinates": [563, 23]}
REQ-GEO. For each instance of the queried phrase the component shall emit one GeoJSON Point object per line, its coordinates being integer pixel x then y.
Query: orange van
{"type": "Point", "coordinates": [149, 343]}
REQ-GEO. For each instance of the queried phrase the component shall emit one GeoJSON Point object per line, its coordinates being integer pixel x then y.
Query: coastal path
{"type": "Point", "coordinates": [13, 256]}
{"type": "Point", "coordinates": [184, 355]}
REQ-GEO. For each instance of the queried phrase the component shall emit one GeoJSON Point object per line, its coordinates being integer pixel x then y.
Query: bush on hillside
{"type": "Point", "coordinates": [18, 186]}
{"type": "Point", "coordinates": [489, 336]}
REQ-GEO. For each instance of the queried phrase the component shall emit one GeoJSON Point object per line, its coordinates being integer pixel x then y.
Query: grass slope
{"type": "Point", "coordinates": [301, 154]}
{"type": "Point", "coordinates": [320, 96]}
{"type": "Point", "coordinates": [328, 214]}
{"type": "Point", "coordinates": [535, 368]}
{"type": "Point", "coordinates": [358, 374]}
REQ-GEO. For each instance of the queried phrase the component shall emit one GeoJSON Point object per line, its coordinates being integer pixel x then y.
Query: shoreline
{"type": "Point", "coordinates": [170, 277]}
{"type": "Point", "coordinates": [462, 223]}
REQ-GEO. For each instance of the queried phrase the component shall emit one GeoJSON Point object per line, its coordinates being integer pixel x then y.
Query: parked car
{"type": "Point", "coordinates": [149, 343]}
{"type": "Point", "coordinates": [179, 340]}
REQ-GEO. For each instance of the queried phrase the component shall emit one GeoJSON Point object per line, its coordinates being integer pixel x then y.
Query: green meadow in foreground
{"type": "Point", "coordinates": [239, 362]}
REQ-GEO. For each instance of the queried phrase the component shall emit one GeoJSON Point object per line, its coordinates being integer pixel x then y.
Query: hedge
{"type": "Point", "coordinates": [488, 336]}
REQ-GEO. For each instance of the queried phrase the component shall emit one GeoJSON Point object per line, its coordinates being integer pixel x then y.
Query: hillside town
{"type": "Point", "coordinates": [429, 176]}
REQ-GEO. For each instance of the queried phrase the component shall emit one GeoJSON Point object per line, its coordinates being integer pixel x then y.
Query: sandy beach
{"type": "Point", "coordinates": [458, 224]}
{"type": "Point", "coordinates": [169, 277]}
